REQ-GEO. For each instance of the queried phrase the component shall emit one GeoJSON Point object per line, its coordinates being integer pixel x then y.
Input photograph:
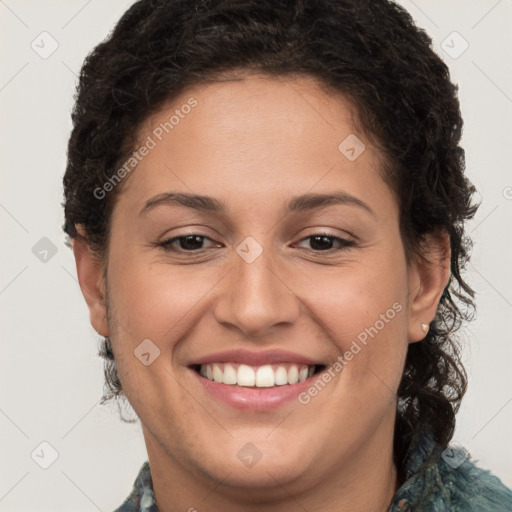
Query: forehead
{"type": "Point", "coordinates": [255, 134]}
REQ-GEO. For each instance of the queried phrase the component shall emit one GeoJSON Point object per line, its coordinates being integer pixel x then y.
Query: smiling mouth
{"type": "Point", "coordinates": [264, 376]}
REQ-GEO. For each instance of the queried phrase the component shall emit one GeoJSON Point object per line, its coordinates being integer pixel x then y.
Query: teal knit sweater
{"type": "Point", "coordinates": [436, 481]}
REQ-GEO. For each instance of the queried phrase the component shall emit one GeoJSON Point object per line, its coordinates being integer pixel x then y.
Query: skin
{"type": "Point", "coordinates": [254, 143]}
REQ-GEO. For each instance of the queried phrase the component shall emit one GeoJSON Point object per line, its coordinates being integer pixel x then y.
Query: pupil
{"type": "Point", "coordinates": [187, 242]}
{"type": "Point", "coordinates": [321, 246]}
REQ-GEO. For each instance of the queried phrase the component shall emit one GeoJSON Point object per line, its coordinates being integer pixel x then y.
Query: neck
{"type": "Point", "coordinates": [364, 482]}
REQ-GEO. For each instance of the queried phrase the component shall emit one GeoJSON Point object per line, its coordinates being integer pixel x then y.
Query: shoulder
{"type": "Point", "coordinates": [470, 487]}
{"type": "Point", "coordinates": [449, 481]}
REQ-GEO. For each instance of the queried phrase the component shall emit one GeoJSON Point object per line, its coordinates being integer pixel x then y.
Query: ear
{"type": "Point", "coordinates": [428, 276]}
{"type": "Point", "coordinates": [91, 280]}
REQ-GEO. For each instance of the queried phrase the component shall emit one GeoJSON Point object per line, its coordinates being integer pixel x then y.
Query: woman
{"type": "Point", "coordinates": [266, 202]}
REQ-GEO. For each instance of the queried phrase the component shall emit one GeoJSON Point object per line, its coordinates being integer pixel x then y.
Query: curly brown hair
{"type": "Point", "coordinates": [370, 51]}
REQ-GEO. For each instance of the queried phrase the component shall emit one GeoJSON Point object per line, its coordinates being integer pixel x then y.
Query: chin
{"type": "Point", "coordinates": [259, 464]}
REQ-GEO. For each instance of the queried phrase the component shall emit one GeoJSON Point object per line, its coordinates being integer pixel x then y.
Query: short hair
{"type": "Point", "coordinates": [368, 50]}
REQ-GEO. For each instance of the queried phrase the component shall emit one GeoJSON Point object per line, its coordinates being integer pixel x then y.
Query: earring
{"type": "Point", "coordinates": [425, 328]}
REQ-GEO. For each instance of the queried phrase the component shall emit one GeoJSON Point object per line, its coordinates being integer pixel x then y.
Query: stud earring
{"type": "Point", "coordinates": [425, 328]}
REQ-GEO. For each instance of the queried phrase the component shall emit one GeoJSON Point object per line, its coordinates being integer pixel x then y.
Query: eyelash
{"type": "Point", "coordinates": [166, 245]}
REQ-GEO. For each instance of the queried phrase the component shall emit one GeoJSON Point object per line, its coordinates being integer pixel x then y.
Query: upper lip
{"type": "Point", "coordinates": [262, 357]}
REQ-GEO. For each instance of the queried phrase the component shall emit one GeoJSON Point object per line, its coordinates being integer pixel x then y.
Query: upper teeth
{"type": "Point", "coordinates": [260, 376]}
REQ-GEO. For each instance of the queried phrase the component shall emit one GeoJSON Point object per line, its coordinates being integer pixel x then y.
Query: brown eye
{"type": "Point", "coordinates": [186, 243]}
{"type": "Point", "coordinates": [323, 242]}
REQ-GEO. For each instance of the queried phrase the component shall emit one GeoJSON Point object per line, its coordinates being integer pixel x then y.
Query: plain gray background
{"type": "Point", "coordinates": [51, 377]}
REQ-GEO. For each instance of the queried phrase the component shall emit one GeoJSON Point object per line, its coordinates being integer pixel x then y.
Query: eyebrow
{"type": "Point", "coordinates": [302, 203]}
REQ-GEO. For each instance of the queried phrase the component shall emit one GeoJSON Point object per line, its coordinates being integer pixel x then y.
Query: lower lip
{"type": "Point", "coordinates": [256, 399]}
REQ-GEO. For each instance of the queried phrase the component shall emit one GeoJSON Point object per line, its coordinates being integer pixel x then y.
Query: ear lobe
{"type": "Point", "coordinates": [90, 278]}
{"type": "Point", "coordinates": [428, 277]}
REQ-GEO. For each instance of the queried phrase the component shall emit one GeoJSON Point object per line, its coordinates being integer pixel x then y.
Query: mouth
{"type": "Point", "coordinates": [263, 376]}
{"type": "Point", "coordinates": [255, 381]}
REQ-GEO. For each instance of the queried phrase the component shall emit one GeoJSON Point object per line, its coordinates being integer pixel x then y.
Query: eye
{"type": "Point", "coordinates": [185, 243]}
{"type": "Point", "coordinates": [322, 242]}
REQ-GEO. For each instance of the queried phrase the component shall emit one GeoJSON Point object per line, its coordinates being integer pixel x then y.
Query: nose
{"type": "Point", "coordinates": [256, 297]}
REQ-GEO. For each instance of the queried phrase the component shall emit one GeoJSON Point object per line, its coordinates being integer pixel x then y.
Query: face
{"type": "Point", "coordinates": [209, 307]}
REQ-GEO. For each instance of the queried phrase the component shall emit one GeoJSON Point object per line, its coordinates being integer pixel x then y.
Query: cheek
{"type": "Point", "coordinates": [155, 301]}
{"type": "Point", "coordinates": [353, 298]}
{"type": "Point", "coordinates": [160, 304]}
{"type": "Point", "coordinates": [151, 302]}
{"type": "Point", "coordinates": [363, 309]}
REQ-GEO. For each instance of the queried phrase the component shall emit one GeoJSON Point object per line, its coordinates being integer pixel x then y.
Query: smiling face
{"type": "Point", "coordinates": [263, 272]}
